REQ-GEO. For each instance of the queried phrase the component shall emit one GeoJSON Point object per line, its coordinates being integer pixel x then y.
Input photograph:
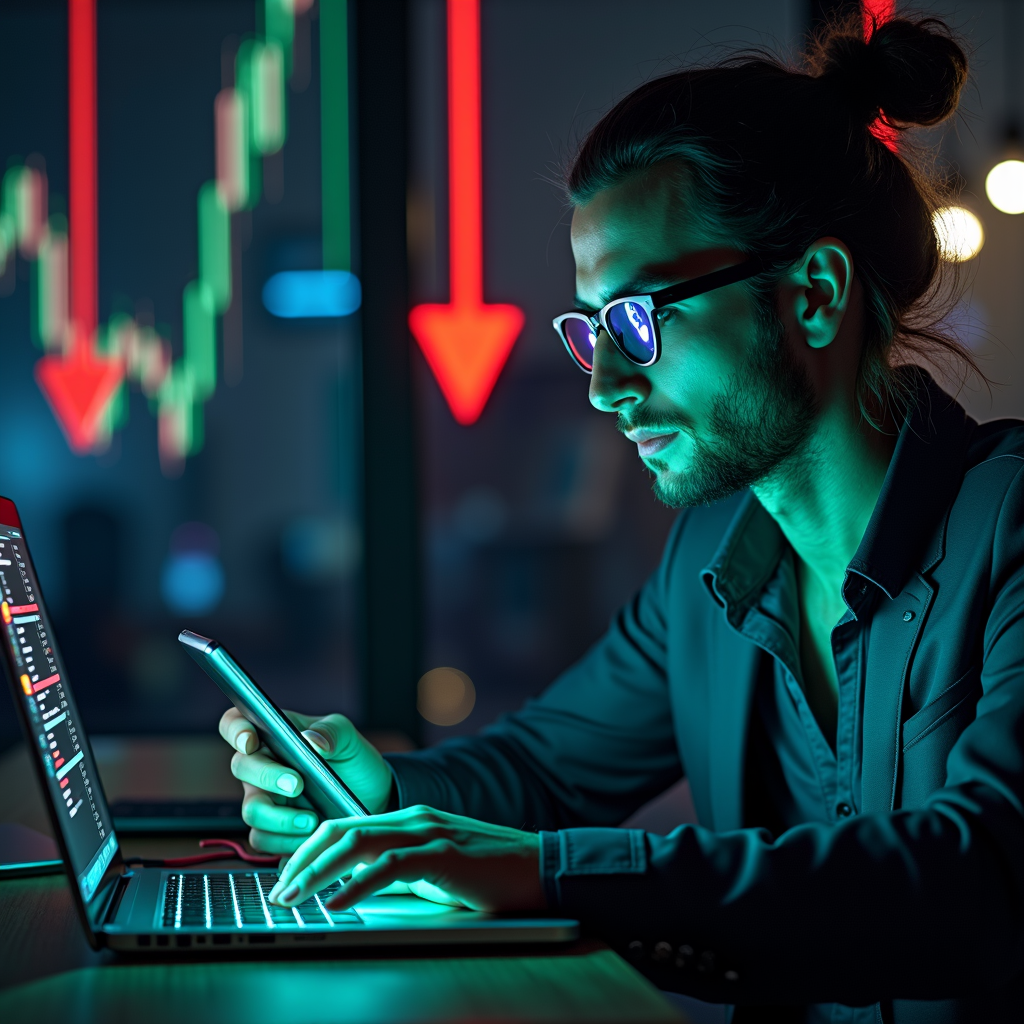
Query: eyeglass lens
{"type": "Point", "coordinates": [633, 330]}
{"type": "Point", "coordinates": [582, 339]}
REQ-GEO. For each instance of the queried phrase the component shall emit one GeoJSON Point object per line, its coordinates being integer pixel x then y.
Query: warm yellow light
{"type": "Point", "coordinates": [959, 233]}
{"type": "Point", "coordinates": [445, 696]}
{"type": "Point", "coordinates": [1005, 186]}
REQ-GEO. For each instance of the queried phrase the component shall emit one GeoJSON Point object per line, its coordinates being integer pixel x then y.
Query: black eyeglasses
{"type": "Point", "coordinates": [630, 321]}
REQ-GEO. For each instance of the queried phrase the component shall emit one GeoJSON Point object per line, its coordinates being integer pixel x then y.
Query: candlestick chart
{"type": "Point", "coordinates": [87, 366]}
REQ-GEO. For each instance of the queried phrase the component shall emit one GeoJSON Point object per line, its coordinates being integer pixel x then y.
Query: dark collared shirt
{"type": "Point", "coordinates": [799, 774]}
{"type": "Point", "coordinates": [806, 775]}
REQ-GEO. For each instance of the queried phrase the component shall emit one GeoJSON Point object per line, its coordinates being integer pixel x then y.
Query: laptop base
{"type": "Point", "coordinates": [149, 918]}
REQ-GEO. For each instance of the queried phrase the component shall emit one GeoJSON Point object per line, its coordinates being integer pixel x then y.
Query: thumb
{"type": "Point", "coordinates": [332, 736]}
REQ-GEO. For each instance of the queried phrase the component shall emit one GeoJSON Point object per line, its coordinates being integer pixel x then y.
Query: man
{"type": "Point", "coordinates": [832, 650]}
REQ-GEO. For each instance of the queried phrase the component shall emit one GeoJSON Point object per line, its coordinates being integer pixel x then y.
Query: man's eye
{"type": "Point", "coordinates": [665, 314]}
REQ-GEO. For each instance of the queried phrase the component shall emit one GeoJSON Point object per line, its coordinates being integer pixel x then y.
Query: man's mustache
{"type": "Point", "coordinates": [649, 419]}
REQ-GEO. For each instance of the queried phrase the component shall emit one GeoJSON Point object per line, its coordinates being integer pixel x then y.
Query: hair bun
{"type": "Point", "coordinates": [911, 70]}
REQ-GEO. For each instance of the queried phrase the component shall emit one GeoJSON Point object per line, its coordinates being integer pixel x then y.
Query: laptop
{"type": "Point", "coordinates": [163, 910]}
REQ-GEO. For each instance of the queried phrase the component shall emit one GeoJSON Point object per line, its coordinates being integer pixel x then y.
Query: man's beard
{"type": "Point", "coordinates": [757, 427]}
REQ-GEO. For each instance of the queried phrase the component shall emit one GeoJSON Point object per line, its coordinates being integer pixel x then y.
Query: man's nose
{"type": "Point", "coordinates": [616, 384]}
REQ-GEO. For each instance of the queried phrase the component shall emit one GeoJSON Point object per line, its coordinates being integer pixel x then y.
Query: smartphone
{"type": "Point", "coordinates": [328, 794]}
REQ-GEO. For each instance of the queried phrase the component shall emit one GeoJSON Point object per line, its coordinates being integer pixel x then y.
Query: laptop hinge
{"type": "Point", "coordinates": [115, 893]}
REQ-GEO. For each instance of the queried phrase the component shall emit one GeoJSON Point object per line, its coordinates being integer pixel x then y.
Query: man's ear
{"type": "Point", "coordinates": [820, 288]}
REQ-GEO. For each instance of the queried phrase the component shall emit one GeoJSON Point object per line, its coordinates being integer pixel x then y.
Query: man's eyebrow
{"type": "Point", "coordinates": [638, 286]}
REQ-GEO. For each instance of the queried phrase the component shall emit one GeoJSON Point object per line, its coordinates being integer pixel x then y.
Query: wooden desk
{"type": "Point", "coordinates": [48, 971]}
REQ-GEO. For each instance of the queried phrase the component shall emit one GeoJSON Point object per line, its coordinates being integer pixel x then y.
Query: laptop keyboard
{"type": "Point", "coordinates": [239, 899]}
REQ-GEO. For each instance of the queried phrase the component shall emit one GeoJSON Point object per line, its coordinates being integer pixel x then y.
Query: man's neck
{"type": "Point", "coordinates": [823, 504]}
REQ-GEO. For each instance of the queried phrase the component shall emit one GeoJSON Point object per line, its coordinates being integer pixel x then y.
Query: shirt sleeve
{"type": "Point", "coordinates": [596, 745]}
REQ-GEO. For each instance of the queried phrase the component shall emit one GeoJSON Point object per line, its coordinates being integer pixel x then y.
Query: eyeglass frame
{"type": "Point", "coordinates": [654, 301]}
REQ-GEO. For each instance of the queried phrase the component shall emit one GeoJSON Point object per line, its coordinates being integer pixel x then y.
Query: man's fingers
{"type": "Point", "coordinates": [411, 824]}
{"type": "Point", "coordinates": [359, 845]}
{"type": "Point", "coordinates": [396, 865]}
{"type": "Point", "coordinates": [238, 731]}
{"type": "Point", "coordinates": [418, 820]}
{"type": "Point", "coordinates": [266, 773]}
{"type": "Point", "coordinates": [260, 811]}
{"type": "Point", "coordinates": [325, 838]}
{"type": "Point", "coordinates": [332, 832]}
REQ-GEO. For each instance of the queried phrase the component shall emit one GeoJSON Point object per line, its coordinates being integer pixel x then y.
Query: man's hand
{"type": "Point", "coordinates": [484, 867]}
{"type": "Point", "coordinates": [279, 817]}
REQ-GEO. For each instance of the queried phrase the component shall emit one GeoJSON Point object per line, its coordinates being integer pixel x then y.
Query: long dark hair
{"type": "Point", "coordinates": [776, 157]}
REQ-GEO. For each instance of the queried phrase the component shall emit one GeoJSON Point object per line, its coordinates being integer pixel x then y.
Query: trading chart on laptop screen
{"type": "Point", "coordinates": [60, 741]}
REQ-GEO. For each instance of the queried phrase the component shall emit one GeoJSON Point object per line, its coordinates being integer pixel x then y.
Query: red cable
{"type": "Point", "coordinates": [236, 851]}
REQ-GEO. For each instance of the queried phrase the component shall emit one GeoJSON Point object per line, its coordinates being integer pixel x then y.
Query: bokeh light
{"type": "Point", "coordinates": [295, 294]}
{"type": "Point", "coordinates": [192, 580]}
{"type": "Point", "coordinates": [445, 696]}
{"type": "Point", "coordinates": [1004, 186]}
{"type": "Point", "coordinates": [959, 233]}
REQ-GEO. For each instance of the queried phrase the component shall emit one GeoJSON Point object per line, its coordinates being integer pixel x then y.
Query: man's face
{"type": "Point", "coordinates": [726, 405]}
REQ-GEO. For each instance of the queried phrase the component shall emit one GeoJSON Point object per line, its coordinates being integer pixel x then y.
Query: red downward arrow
{"type": "Point", "coordinates": [79, 386]}
{"type": "Point", "coordinates": [465, 341]}
{"type": "Point", "coordinates": [78, 389]}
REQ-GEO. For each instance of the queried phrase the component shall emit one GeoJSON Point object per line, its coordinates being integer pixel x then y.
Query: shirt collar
{"type": "Point", "coordinates": [924, 476]}
{"type": "Point", "coordinates": [745, 560]}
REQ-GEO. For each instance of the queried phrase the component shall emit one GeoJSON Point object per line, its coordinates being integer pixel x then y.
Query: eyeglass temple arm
{"type": "Point", "coordinates": [708, 282]}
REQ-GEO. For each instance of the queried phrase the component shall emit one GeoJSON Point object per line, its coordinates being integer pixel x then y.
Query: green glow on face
{"type": "Point", "coordinates": [334, 138]}
{"type": "Point", "coordinates": [215, 245]}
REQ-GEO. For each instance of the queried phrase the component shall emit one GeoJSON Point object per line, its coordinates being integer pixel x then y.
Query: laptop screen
{"type": "Point", "coordinates": [58, 736]}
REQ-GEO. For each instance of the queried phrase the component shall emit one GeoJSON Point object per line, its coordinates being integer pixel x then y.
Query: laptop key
{"type": "Point", "coordinates": [250, 905]}
{"type": "Point", "coordinates": [193, 902]}
{"type": "Point", "coordinates": [222, 907]}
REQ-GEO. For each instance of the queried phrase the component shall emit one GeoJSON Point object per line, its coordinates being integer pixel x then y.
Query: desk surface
{"type": "Point", "coordinates": [48, 971]}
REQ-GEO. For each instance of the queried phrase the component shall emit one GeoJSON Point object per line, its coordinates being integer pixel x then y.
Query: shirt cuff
{"type": "Point", "coordinates": [570, 860]}
{"type": "Point", "coordinates": [550, 861]}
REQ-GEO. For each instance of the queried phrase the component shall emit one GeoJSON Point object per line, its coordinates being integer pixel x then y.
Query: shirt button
{"type": "Point", "coordinates": [635, 950]}
{"type": "Point", "coordinates": [684, 957]}
{"type": "Point", "coordinates": [731, 976]}
{"type": "Point", "coordinates": [661, 953]}
{"type": "Point", "coordinates": [908, 615]}
{"type": "Point", "coordinates": [844, 810]}
{"type": "Point", "coordinates": [706, 964]}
